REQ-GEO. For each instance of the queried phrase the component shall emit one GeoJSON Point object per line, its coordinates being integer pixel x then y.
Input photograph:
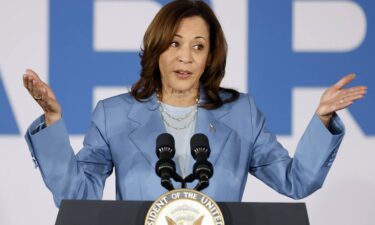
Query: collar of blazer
{"type": "Point", "coordinates": [150, 125]}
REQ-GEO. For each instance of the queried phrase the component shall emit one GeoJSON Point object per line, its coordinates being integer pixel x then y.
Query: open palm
{"type": "Point", "coordinates": [337, 97]}
{"type": "Point", "coordinates": [43, 95]}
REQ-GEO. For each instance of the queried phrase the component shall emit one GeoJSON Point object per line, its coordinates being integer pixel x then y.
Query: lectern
{"type": "Point", "coordinates": [93, 212]}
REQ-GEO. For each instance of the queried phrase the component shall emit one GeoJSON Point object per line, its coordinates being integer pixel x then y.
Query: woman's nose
{"type": "Point", "coordinates": [185, 56]}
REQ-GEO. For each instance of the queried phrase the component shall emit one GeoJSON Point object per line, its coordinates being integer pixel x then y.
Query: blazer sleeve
{"type": "Point", "coordinates": [70, 176]}
{"type": "Point", "coordinates": [305, 173]}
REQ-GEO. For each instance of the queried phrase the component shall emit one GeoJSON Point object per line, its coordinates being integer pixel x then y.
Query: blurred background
{"type": "Point", "coordinates": [284, 53]}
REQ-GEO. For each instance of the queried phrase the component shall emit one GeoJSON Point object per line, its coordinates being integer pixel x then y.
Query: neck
{"type": "Point", "coordinates": [179, 98]}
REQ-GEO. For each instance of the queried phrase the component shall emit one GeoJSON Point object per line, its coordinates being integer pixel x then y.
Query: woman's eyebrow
{"type": "Point", "coordinates": [197, 37]}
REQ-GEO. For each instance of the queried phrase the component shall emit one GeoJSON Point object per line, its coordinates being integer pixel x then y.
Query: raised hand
{"type": "Point", "coordinates": [43, 95]}
{"type": "Point", "coordinates": [337, 97]}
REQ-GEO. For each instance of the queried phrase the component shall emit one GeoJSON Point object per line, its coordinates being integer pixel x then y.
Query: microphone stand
{"type": "Point", "coordinates": [202, 183]}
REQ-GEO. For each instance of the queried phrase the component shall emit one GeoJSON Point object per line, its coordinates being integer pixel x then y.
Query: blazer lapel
{"type": "Point", "coordinates": [150, 125]}
{"type": "Point", "coordinates": [217, 132]}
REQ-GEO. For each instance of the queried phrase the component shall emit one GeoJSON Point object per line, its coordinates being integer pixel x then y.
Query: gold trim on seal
{"type": "Point", "coordinates": [184, 207]}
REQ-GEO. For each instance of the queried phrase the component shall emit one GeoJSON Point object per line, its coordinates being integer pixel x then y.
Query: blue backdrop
{"type": "Point", "coordinates": [274, 69]}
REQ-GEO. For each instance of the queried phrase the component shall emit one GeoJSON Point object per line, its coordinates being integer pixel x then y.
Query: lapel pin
{"type": "Point", "coordinates": [212, 128]}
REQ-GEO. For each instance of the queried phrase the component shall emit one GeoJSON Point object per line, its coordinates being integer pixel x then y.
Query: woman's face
{"type": "Point", "coordinates": [184, 62]}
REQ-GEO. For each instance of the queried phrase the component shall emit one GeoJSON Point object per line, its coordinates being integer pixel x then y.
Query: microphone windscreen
{"type": "Point", "coordinates": [165, 143]}
{"type": "Point", "coordinates": [199, 143]}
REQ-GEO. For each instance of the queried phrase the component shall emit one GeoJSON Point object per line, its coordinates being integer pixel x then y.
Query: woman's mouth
{"type": "Point", "coordinates": [183, 73]}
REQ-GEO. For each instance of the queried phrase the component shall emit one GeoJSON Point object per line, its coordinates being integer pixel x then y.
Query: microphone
{"type": "Point", "coordinates": [165, 167]}
{"type": "Point", "coordinates": [203, 169]}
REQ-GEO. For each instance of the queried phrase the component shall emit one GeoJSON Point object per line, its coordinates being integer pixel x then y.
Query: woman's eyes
{"type": "Point", "coordinates": [176, 44]}
{"type": "Point", "coordinates": [198, 47]}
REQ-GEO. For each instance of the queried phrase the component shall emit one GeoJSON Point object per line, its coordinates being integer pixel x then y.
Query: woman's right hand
{"type": "Point", "coordinates": [43, 95]}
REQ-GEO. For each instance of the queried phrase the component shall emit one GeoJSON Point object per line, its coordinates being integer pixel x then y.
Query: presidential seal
{"type": "Point", "coordinates": [184, 207]}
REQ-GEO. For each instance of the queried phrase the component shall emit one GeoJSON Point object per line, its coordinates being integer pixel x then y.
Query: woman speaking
{"type": "Point", "coordinates": [183, 62]}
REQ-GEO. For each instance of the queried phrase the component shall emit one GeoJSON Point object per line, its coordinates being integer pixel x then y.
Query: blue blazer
{"type": "Point", "coordinates": [122, 136]}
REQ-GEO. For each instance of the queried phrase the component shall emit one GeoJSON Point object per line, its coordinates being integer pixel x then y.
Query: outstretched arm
{"type": "Point", "coordinates": [300, 176]}
{"type": "Point", "coordinates": [67, 175]}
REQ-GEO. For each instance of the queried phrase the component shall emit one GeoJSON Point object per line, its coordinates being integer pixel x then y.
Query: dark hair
{"type": "Point", "coordinates": [157, 39]}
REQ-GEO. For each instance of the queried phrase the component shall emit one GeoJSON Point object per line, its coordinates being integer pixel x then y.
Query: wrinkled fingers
{"type": "Point", "coordinates": [358, 89]}
{"type": "Point", "coordinates": [44, 101]}
{"type": "Point", "coordinates": [352, 98]}
{"type": "Point", "coordinates": [36, 90]}
{"type": "Point", "coordinates": [30, 84]}
{"type": "Point", "coordinates": [354, 93]}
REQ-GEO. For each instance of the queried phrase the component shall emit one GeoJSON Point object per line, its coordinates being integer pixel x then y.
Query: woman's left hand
{"type": "Point", "coordinates": [337, 97]}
